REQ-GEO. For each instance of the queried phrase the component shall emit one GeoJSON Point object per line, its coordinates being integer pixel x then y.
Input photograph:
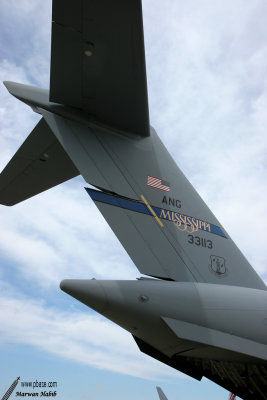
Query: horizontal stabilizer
{"type": "Point", "coordinates": [31, 95]}
{"type": "Point", "coordinates": [38, 165]}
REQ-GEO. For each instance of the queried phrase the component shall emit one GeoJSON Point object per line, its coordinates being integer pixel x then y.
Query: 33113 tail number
{"type": "Point", "coordinates": [199, 241]}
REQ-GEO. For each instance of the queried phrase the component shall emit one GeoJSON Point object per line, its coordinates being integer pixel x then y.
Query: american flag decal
{"type": "Point", "coordinates": [158, 183]}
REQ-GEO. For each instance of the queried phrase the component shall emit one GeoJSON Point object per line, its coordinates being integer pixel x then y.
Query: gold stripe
{"type": "Point", "coordinates": [151, 210]}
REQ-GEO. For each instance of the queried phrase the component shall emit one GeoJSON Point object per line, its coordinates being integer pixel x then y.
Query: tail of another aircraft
{"type": "Point", "coordinates": [161, 394]}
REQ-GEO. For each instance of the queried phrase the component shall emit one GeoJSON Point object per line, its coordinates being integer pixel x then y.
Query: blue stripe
{"type": "Point", "coordinates": [118, 201]}
{"type": "Point", "coordinates": [137, 206]}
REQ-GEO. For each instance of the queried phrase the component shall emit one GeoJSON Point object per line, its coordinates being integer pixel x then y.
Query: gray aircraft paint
{"type": "Point", "coordinates": [206, 313]}
{"type": "Point", "coordinates": [158, 310]}
{"type": "Point", "coordinates": [107, 159]}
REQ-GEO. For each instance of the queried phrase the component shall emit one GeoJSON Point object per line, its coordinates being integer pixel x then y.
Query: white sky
{"type": "Point", "coordinates": [206, 69]}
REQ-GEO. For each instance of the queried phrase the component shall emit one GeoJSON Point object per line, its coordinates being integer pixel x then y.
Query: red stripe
{"type": "Point", "coordinates": [152, 180]}
{"type": "Point", "coordinates": [165, 188]}
{"type": "Point", "coordinates": [157, 183]}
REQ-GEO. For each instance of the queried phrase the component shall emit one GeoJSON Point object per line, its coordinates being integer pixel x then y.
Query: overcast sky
{"type": "Point", "coordinates": [207, 82]}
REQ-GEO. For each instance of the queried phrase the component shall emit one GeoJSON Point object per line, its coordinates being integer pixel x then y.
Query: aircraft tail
{"type": "Point", "coordinates": [161, 394]}
{"type": "Point", "coordinates": [162, 222]}
{"type": "Point", "coordinates": [104, 134]}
